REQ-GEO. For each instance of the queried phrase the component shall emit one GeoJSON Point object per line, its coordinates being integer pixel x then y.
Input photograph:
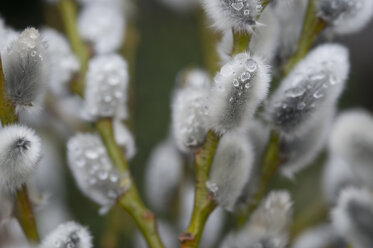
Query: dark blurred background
{"type": "Point", "coordinates": [170, 41]}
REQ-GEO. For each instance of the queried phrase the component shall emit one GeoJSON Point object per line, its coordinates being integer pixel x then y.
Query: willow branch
{"type": "Point", "coordinates": [204, 203]}
{"type": "Point", "coordinates": [68, 10]}
{"type": "Point", "coordinates": [25, 214]}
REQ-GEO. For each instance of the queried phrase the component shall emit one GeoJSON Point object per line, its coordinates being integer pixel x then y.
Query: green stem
{"type": "Point", "coordinates": [130, 201]}
{"type": "Point", "coordinates": [208, 39]}
{"type": "Point", "coordinates": [241, 41]}
{"type": "Point", "coordinates": [312, 27]}
{"type": "Point", "coordinates": [271, 162]}
{"type": "Point", "coordinates": [26, 216]}
{"type": "Point", "coordinates": [204, 203]}
{"type": "Point", "coordinates": [68, 10]}
{"type": "Point", "coordinates": [7, 113]}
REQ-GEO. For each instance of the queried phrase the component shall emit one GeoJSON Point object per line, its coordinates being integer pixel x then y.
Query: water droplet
{"type": "Point", "coordinates": [246, 12]}
{"type": "Point", "coordinates": [80, 162]}
{"type": "Point", "coordinates": [33, 53]}
{"type": "Point", "coordinates": [108, 98]}
{"type": "Point", "coordinates": [295, 92]}
{"type": "Point", "coordinates": [103, 175]}
{"type": "Point", "coordinates": [236, 83]}
{"type": "Point", "coordinates": [251, 65]}
{"type": "Point", "coordinates": [112, 194]}
{"type": "Point", "coordinates": [91, 154]}
{"type": "Point", "coordinates": [301, 106]}
{"type": "Point", "coordinates": [259, 7]}
{"type": "Point", "coordinates": [247, 85]}
{"type": "Point", "coordinates": [318, 76]}
{"type": "Point", "coordinates": [114, 178]}
{"type": "Point", "coordinates": [245, 76]}
{"type": "Point", "coordinates": [318, 94]}
{"type": "Point", "coordinates": [237, 6]}
{"type": "Point", "coordinates": [332, 80]}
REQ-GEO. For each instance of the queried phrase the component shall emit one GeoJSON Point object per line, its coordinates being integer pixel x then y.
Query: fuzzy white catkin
{"type": "Point", "coordinates": [93, 170]}
{"type": "Point", "coordinates": [24, 69]}
{"type": "Point", "coordinates": [230, 169]}
{"type": "Point", "coordinates": [239, 88]}
{"type": "Point", "coordinates": [337, 175]}
{"type": "Point", "coordinates": [353, 217]}
{"type": "Point", "coordinates": [103, 25]}
{"type": "Point", "coordinates": [289, 15]}
{"type": "Point", "coordinates": [268, 226]}
{"type": "Point", "coordinates": [258, 135]}
{"type": "Point", "coordinates": [69, 234]}
{"type": "Point", "coordinates": [190, 112]}
{"type": "Point", "coordinates": [240, 15]}
{"type": "Point", "coordinates": [106, 87]}
{"type": "Point", "coordinates": [352, 140]}
{"type": "Point", "coordinates": [20, 151]}
{"type": "Point", "coordinates": [346, 16]}
{"type": "Point", "coordinates": [266, 37]}
{"type": "Point", "coordinates": [62, 63]}
{"type": "Point", "coordinates": [310, 89]}
{"type": "Point", "coordinates": [8, 35]}
{"type": "Point", "coordinates": [163, 173]}
{"type": "Point", "coordinates": [320, 236]}
{"type": "Point", "coordinates": [297, 152]}
{"type": "Point", "coordinates": [124, 139]}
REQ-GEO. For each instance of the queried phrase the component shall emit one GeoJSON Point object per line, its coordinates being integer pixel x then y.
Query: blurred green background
{"type": "Point", "coordinates": [170, 41]}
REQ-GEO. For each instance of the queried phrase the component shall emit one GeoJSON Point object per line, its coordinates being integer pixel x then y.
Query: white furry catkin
{"type": "Point", "coordinates": [24, 69]}
{"type": "Point", "coordinates": [240, 15]}
{"type": "Point", "coordinates": [320, 236]}
{"type": "Point", "coordinates": [103, 25]}
{"type": "Point", "coordinates": [352, 140]}
{"type": "Point", "coordinates": [165, 159]}
{"type": "Point", "coordinates": [62, 63]}
{"type": "Point", "coordinates": [69, 234]}
{"type": "Point", "coordinates": [312, 88]}
{"type": "Point", "coordinates": [93, 170]}
{"type": "Point", "coordinates": [346, 16]}
{"type": "Point", "coordinates": [353, 217]}
{"type": "Point", "coordinates": [8, 35]}
{"type": "Point", "coordinates": [268, 226]}
{"type": "Point", "coordinates": [265, 40]}
{"type": "Point", "coordinates": [337, 175]}
{"type": "Point", "coordinates": [190, 112]}
{"type": "Point", "coordinates": [20, 151]}
{"type": "Point", "coordinates": [106, 87]}
{"type": "Point", "coordinates": [124, 139]}
{"type": "Point", "coordinates": [289, 15]}
{"type": "Point", "coordinates": [230, 169]}
{"type": "Point", "coordinates": [239, 88]}
{"type": "Point", "coordinates": [297, 152]}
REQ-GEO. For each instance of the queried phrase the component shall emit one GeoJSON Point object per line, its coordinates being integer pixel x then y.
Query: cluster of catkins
{"type": "Point", "coordinates": [236, 105]}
